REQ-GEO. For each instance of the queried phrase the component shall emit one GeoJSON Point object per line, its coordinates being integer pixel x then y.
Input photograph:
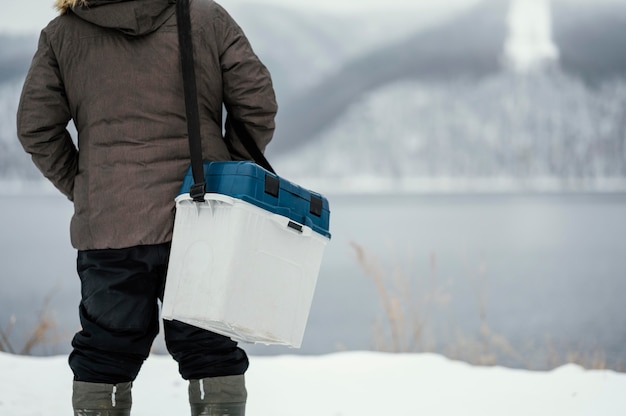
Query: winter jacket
{"type": "Point", "coordinates": [113, 67]}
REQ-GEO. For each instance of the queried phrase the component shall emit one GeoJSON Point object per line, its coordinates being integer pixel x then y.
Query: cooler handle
{"type": "Point", "coordinates": [284, 222]}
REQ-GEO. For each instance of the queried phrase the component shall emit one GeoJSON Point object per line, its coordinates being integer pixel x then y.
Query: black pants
{"type": "Point", "coordinates": [120, 318]}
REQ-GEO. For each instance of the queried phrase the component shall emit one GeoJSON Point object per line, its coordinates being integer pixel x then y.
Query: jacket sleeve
{"type": "Point", "coordinates": [42, 118]}
{"type": "Point", "coordinates": [247, 87]}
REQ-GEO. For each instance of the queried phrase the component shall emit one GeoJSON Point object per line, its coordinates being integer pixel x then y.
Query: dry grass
{"type": "Point", "coordinates": [407, 307]}
{"type": "Point", "coordinates": [41, 333]}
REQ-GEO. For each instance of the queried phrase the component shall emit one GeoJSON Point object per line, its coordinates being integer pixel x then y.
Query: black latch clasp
{"type": "Point", "coordinates": [317, 205]}
{"type": "Point", "coordinates": [272, 185]}
{"type": "Point", "coordinates": [197, 191]}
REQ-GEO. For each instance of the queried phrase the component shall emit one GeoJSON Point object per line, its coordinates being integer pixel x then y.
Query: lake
{"type": "Point", "coordinates": [518, 279]}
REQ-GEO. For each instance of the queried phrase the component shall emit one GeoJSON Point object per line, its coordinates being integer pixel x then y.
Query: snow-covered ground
{"type": "Point", "coordinates": [341, 384]}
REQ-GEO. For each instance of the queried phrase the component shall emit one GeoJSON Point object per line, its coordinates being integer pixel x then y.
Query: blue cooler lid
{"type": "Point", "coordinates": [250, 182]}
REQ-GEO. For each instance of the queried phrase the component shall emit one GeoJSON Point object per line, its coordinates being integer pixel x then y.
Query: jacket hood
{"type": "Point", "coordinates": [132, 17]}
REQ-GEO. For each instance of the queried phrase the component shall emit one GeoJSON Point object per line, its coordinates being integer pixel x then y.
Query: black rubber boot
{"type": "Point", "coordinates": [218, 396]}
{"type": "Point", "coordinates": [97, 399]}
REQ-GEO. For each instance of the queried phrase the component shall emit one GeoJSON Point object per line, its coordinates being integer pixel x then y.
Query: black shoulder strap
{"type": "Point", "coordinates": [198, 189]}
{"type": "Point", "coordinates": [249, 144]}
{"type": "Point", "coordinates": [183, 21]}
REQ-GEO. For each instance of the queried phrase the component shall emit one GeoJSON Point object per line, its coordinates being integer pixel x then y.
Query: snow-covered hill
{"type": "Point", "coordinates": [475, 113]}
{"type": "Point", "coordinates": [429, 97]}
{"type": "Point", "coordinates": [529, 43]}
{"type": "Point", "coordinates": [302, 46]}
{"type": "Point", "coordinates": [542, 131]}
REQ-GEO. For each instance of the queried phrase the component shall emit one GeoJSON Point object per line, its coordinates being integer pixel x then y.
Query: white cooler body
{"type": "Point", "coordinates": [241, 271]}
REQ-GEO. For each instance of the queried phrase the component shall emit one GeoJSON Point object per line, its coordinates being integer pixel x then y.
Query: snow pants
{"type": "Point", "coordinates": [119, 315]}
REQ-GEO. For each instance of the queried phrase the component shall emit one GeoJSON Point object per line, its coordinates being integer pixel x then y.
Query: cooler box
{"type": "Point", "coordinates": [245, 263]}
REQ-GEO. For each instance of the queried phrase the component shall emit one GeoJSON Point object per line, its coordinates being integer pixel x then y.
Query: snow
{"type": "Point", "coordinates": [340, 384]}
{"type": "Point", "coordinates": [530, 43]}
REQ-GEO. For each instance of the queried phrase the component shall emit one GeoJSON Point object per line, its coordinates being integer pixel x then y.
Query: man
{"type": "Point", "coordinates": [113, 67]}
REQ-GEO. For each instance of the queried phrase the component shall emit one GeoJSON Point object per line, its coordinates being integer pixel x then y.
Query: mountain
{"type": "Point", "coordinates": [544, 130]}
{"type": "Point", "coordinates": [453, 115]}
{"type": "Point", "coordinates": [302, 48]}
{"type": "Point", "coordinates": [468, 46]}
{"type": "Point", "coordinates": [591, 38]}
{"type": "Point", "coordinates": [405, 98]}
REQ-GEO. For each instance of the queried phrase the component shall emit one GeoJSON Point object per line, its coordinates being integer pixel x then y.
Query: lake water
{"type": "Point", "coordinates": [545, 274]}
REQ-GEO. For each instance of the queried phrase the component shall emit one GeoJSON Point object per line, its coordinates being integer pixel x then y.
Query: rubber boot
{"type": "Point", "coordinates": [218, 396]}
{"type": "Point", "coordinates": [96, 399]}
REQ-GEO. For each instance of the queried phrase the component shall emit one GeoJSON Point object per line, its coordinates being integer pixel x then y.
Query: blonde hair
{"type": "Point", "coordinates": [63, 5]}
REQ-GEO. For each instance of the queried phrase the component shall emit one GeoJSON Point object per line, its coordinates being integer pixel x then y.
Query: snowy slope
{"type": "Point", "coordinates": [545, 131]}
{"type": "Point", "coordinates": [529, 43]}
{"type": "Point", "coordinates": [430, 98]}
{"type": "Point", "coordinates": [527, 110]}
{"type": "Point", "coordinates": [303, 43]}
{"type": "Point", "coordinates": [346, 384]}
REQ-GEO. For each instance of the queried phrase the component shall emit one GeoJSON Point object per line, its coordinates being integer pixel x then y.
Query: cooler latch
{"type": "Point", "coordinates": [316, 205]}
{"type": "Point", "coordinates": [272, 185]}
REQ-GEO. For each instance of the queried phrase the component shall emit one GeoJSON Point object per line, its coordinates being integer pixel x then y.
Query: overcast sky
{"type": "Point", "coordinates": [32, 15]}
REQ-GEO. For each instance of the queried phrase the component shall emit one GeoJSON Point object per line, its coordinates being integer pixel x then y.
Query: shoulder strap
{"type": "Point", "coordinates": [198, 189]}
{"type": "Point", "coordinates": [248, 143]}
{"type": "Point", "coordinates": [183, 21]}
